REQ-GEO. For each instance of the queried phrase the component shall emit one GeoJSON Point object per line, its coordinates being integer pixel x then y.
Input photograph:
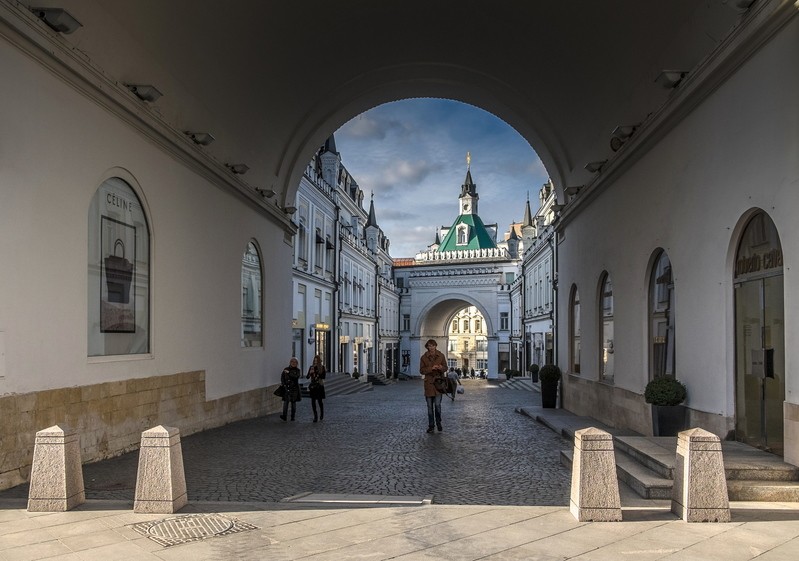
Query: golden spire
{"type": "Point", "coordinates": [468, 160]}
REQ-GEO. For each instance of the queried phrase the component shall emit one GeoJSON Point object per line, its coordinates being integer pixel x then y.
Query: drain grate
{"type": "Point", "coordinates": [190, 527]}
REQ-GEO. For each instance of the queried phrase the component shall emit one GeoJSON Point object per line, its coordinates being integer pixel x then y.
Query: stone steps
{"type": "Point", "coordinates": [338, 384]}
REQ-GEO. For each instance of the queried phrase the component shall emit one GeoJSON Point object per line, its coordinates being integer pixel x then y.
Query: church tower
{"type": "Point", "coordinates": [468, 198]}
{"type": "Point", "coordinates": [331, 162]}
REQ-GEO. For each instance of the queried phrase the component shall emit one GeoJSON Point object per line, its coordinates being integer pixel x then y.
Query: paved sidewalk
{"type": "Point", "coordinates": [104, 531]}
{"type": "Point", "coordinates": [414, 507]}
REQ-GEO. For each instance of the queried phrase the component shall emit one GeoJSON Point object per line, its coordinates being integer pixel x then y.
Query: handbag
{"type": "Point", "coordinates": [280, 391]}
{"type": "Point", "coordinates": [460, 389]}
{"type": "Point", "coordinates": [441, 384]}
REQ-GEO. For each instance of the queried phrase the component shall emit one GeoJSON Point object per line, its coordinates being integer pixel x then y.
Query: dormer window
{"type": "Point", "coordinates": [463, 234]}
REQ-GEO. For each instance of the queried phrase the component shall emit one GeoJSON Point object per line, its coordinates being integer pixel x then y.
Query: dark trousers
{"type": "Point", "coordinates": [433, 410]}
{"type": "Point", "coordinates": [314, 401]}
{"type": "Point", "coordinates": [286, 408]}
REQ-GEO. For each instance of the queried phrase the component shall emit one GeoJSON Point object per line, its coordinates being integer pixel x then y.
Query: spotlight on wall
{"type": "Point", "coordinates": [572, 191]}
{"type": "Point", "coordinates": [238, 169]}
{"type": "Point", "coordinates": [267, 193]}
{"type": "Point", "coordinates": [670, 79]}
{"type": "Point", "coordinates": [201, 138]}
{"type": "Point", "coordinates": [290, 209]}
{"type": "Point", "coordinates": [739, 6]}
{"type": "Point", "coordinates": [594, 167]}
{"type": "Point", "coordinates": [145, 92]}
{"type": "Point", "coordinates": [57, 19]}
{"type": "Point", "coordinates": [620, 135]}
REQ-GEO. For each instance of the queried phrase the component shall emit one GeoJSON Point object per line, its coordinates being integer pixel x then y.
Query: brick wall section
{"type": "Point", "coordinates": [111, 416]}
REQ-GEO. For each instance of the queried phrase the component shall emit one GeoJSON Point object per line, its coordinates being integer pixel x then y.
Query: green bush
{"type": "Point", "coordinates": [533, 368]}
{"type": "Point", "coordinates": [549, 372]}
{"type": "Point", "coordinates": [665, 390]}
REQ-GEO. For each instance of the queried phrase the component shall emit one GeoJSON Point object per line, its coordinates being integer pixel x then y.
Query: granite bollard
{"type": "Point", "coordinates": [56, 474]}
{"type": "Point", "coordinates": [160, 481]}
{"type": "Point", "coordinates": [595, 488]}
{"type": "Point", "coordinates": [700, 486]}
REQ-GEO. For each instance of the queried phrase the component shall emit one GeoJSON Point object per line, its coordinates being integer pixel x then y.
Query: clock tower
{"type": "Point", "coordinates": [467, 201]}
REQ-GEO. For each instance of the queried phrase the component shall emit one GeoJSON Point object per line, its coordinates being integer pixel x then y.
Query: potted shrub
{"type": "Point", "coordinates": [549, 375]}
{"type": "Point", "coordinates": [666, 395]}
{"type": "Point", "coordinates": [356, 374]}
{"type": "Point", "coordinates": [533, 370]}
{"type": "Point", "coordinates": [508, 373]}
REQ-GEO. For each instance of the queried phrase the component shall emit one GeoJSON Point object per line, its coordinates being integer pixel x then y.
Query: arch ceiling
{"type": "Point", "coordinates": [271, 79]}
{"type": "Point", "coordinates": [437, 314]}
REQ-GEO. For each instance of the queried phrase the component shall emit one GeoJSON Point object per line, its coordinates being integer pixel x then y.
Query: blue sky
{"type": "Point", "coordinates": [412, 154]}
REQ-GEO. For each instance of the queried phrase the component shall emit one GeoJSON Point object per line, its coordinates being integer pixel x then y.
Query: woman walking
{"type": "Point", "coordinates": [289, 379]}
{"type": "Point", "coordinates": [316, 374]}
{"type": "Point", "coordinates": [432, 365]}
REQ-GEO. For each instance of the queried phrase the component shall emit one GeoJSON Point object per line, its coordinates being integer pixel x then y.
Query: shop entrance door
{"type": "Point", "coordinates": [760, 342]}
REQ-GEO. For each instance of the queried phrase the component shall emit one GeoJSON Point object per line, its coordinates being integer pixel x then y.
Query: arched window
{"type": "Point", "coordinates": [606, 329]}
{"type": "Point", "coordinates": [251, 297]}
{"type": "Point", "coordinates": [574, 330]}
{"type": "Point", "coordinates": [119, 272]}
{"type": "Point", "coordinates": [661, 317]}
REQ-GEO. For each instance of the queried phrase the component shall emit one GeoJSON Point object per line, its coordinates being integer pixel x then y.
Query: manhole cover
{"type": "Point", "coordinates": [189, 528]}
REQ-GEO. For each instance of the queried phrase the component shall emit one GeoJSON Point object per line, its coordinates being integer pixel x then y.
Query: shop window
{"type": "Point", "coordinates": [119, 272]}
{"type": "Point", "coordinates": [661, 317]}
{"type": "Point", "coordinates": [251, 292]}
{"type": "Point", "coordinates": [574, 330]}
{"type": "Point", "coordinates": [607, 349]}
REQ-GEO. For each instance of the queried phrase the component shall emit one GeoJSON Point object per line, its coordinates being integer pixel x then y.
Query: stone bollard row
{"type": "Point", "coordinates": [57, 476]}
{"type": "Point", "coordinates": [699, 493]}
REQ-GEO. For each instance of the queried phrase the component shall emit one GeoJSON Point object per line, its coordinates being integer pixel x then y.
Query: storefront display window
{"type": "Point", "coordinates": [251, 297]}
{"type": "Point", "coordinates": [119, 272]}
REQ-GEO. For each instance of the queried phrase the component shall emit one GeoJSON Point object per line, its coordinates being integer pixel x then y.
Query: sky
{"type": "Point", "coordinates": [412, 155]}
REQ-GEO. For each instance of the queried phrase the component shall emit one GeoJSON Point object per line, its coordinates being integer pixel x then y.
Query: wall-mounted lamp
{"type": "Point", "coordinates": [201, 138]}
{"type": "Point", "coordinates": [290, 209]}
{"type": "Point", "coordinates": [739, 6]}
{"type": "Point", "coordinates": [238, 169]}
{"type": "Point", "coordinates": [145, 92]}
{"type": "Point", "coordinates": [594, 167]}
{"type": "Point", "coordinates": [57, 19]}
{"type": "Point", "coordinates": [557, 207]}
{"type": "Point", "coordinates": [572, 191]}
{"type": "Point", "coordinates": [268, 193]}
{"type": "Point", "coordinates": [670, 79]}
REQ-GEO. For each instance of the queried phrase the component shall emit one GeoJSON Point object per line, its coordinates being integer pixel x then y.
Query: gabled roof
{"type": "Point", "coordinates": [479, 238]}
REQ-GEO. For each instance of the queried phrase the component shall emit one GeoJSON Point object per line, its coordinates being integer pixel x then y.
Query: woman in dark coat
{"type": "Point", "coordinates": [290, 380]}
{"type": "Point", "coordinates": [316, 374]}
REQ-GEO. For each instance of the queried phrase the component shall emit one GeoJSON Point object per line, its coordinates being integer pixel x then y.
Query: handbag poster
{"type": "Point", "coordinates": [117, 290]}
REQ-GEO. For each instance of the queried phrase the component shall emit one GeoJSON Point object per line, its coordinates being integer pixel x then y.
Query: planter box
{"type": "Point", "coordinates": [669, 420]}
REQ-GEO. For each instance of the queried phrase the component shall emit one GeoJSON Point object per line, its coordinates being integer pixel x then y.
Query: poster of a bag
{"type": "Point", "coordinates": [117, 291]}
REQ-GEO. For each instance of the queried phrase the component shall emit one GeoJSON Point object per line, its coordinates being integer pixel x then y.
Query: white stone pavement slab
{"type": "Point", "coordinates": [102, 530]}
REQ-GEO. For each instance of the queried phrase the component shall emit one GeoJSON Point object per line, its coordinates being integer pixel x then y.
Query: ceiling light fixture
{"type": "Point", "coordinates": [238, 169]}
{"type": "Point", "coordinates": [145, 92]}
{"type": "Point", "coordinates": [201, 138]}
{"type": "Point", "coordinates": [670, 79]}
{"type": "Point", "coordinates": [594, 167]}
{"type": "Point", "coordinates": [57, 19]}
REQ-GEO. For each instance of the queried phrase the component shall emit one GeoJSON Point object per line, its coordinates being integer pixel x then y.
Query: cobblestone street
{"type": "Point", "coordinates": [369, 443]}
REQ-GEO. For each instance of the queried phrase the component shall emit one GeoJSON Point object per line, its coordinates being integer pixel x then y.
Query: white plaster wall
{"type": "Point", "coordinates": [738, 150]}
{"type": "Point", "coordinates": [56, 147]}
